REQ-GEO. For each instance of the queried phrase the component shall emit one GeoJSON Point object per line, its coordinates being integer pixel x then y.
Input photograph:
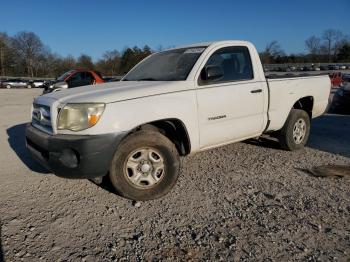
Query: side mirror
{"type": "Point", "coordinates": [213, 72]}
{"type": "Point", "coordinates": [61, 85]}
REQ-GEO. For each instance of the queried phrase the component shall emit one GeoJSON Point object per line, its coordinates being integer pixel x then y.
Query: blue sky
{"type": "Point", "coordinates": [92, 26]}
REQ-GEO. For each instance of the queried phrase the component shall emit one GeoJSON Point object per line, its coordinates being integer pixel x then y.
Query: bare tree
{"type": "Point", "coordinates": [331, 37]}
{"type": "Point", "coordinates": [340, 41]}
{"type": "Point", "coordinates": [271, 52]}
{"type": "Point", "coordinates": [3, 45]}
{"type": "Point", "coordinates": [85, 61]}
{"type": "Point", "coordinates": [64, 64]}
{"type": "Point", "coordinates": [112, 61]}
{"type": "Point", "coordinates": [6, 58]}
{"type": "Point", "coordinates": [313, 45]}
{"type": "Point", "coordinates": [29, 46]}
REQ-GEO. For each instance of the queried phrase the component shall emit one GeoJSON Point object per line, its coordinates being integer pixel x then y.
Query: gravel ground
{"type": "Point", "coordinates": [242, 202]}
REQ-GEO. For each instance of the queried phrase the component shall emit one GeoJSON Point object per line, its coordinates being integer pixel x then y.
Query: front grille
{"type": "Point", "coordinates": [41, 117]}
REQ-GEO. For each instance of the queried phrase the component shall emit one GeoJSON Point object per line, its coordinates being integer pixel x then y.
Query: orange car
{"type": "Point", "coordinates": [336, 79]}
{"type": "Point", "coordinates": [74, 78]}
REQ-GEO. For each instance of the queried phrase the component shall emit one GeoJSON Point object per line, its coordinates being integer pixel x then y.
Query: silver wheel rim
{"type": "Point", "coordinates": [8, 86]}
{"type": "Point", "coordinates": [29, 86]}
{"type": "Point", "coordinates": [144, 167]}
{"type": "Point", "coordinates": [299, 131]}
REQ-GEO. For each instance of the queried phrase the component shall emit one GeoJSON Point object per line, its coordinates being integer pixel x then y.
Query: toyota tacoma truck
{"type": "Point", "coordinates": [173, 103]}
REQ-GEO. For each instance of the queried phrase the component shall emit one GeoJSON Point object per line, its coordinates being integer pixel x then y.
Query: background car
{"type": "Point", "coordinates": [2, 80]}
{"type": "Point", "coordinates": [336, 78]}
{"type": "Point", "coordinates": [341, 99]}
{"type": "Point", "coordinates": [346, 78]}
{"type": "Point", "coordinates": [74, 78]}
{"type": "Point", "coordinates": [12, 83]}
{"type": "Point", "coordinates": [35, 83]}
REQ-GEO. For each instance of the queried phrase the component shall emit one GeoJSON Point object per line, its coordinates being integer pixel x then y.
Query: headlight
{"type": "Point", "coordinates": [77, 117]}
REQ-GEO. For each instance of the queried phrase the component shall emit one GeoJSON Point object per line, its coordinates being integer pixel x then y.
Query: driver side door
{"type": "Point", "coordinates": [230, 107]}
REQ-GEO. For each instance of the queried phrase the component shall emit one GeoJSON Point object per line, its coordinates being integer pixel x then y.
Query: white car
{"type": "Point", "coordinates": [174, 103]}
{"type": "Point", "coordinates": [35, 83]}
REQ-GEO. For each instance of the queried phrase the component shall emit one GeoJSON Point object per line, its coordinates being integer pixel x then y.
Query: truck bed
{"type": "Point", "coordinates": [284, 90]}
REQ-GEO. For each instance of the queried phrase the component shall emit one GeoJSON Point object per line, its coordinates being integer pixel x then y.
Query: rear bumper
{"type": "Point", "coordinates": [73, 156]}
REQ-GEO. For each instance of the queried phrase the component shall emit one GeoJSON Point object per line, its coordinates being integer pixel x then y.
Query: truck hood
{"type": "Point", "coordinates": [116, 91]}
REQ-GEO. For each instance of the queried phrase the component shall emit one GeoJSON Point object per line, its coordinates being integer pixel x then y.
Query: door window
{"type": "Point", "coordinates": [75, 80]}
{"type": "Point", "coordinates": [89, 79]}
{"type": "Point", "coordinates": [76, 77]}
{"type": "Point", "coordinates": [233, 62]}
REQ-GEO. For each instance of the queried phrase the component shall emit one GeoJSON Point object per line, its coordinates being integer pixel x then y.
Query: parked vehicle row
{"type": "Point", "coordinates": [70, 79]}
{"type": "Point", "coordinates": [307, 68]}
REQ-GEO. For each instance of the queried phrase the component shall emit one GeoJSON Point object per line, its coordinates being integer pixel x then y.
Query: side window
{"type": "Point", "coordinates": [227, 64]}
{"type": "Point", "coordinates": [76, 77]}
{"type": "Point", "coordinates": [89, 77]}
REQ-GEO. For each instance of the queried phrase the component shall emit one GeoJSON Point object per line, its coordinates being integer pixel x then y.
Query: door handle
{"type": "Point", "coordinates": [256, 91]}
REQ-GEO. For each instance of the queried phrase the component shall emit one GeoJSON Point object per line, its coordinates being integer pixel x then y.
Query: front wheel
{"type": "Point", "coordinates": [8, 86]}
{"type": "Point", "coordinates": [29, 86]}
{"type": "Point", "coordinates": [295, 132]}
{"type": "Point", "coordinates": [145, 166]}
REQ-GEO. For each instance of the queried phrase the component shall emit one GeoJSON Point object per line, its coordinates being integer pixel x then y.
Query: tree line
{"type": "Point", "coordinates": [24, 54]}
{"type": "Point", "coordinates": [331, 47]}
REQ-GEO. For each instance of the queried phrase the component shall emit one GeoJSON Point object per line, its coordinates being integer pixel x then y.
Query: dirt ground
{"type": "Point", "coordinates": [247, 201]}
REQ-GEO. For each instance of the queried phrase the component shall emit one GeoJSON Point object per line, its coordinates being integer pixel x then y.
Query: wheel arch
{"type": "Point", "coordinates": [305, 103]}
{"type": "Point", "coordinates": [173, 128]}
{"type": "Point", "coordinates": [280, 115]}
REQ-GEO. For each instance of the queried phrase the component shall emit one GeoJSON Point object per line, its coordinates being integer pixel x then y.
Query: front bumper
{"type": "Point", "coordinates": [73, 156]}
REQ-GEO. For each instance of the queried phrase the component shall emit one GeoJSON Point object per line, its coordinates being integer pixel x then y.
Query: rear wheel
{"type": "Point", "coordinates": [296, 130]}
{"type": "Point", "coordinates": [29, 86]}
{"type": "Point", "coordinates": [145, 166]}
{"type": "Point", "coordinates": [8, 86]}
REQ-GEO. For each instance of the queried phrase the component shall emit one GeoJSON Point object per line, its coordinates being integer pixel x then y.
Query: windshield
{"type": "Point", "coordinates": [65, 75]}
{"type": "Point", "coordinates": [172, 65]}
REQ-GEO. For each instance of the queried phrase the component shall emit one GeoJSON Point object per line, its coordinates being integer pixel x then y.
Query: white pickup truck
{"type": "Point", "coordinates": [173, 103]}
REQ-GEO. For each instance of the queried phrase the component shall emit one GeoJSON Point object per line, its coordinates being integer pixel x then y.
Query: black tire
{"type": "Point", "coordinates": [286, 137]}
{"type": "Point", "coordinates": [149, 139]}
